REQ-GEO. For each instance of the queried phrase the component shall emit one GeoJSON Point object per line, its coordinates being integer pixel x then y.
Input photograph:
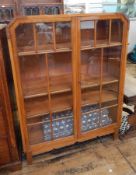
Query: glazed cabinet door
{"type": "Point", "coordinates": [100, 44]}
{"type": "Point", "coordinates": [45, 65]}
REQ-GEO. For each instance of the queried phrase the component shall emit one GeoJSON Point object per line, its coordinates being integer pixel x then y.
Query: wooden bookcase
{"type": "Point", "coordinates": [9, 157]}
{"type": "Point", "coordinates": [69, 76]}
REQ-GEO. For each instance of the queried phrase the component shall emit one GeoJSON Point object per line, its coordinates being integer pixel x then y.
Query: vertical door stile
{"type": "Point", "coordinates": [122, 72]}
{"type": "Point", "coordinates": [101, 81]}
{"type": "Point", "coordinates": [110, 25]}
{"type": "Point", "coordinates": [54, 36]}
{"type": "Point", "coordinates": [95, 33]}
{"type": "Point", "coordinates": [78, 96]}
{"type": "Point", "coordinates": [35, 38]}
{"type": "Point", "coordinates": [74, 72]}
{"type": "Point", "coordinates": [49, 93]}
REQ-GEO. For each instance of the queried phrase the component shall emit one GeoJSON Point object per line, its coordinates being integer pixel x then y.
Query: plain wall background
{"type": "Point", "coordinates": [132, 34]}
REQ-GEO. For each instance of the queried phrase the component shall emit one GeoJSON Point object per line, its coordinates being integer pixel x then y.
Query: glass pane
{"type": "Point", "coordinates": [89, 118]}
{"type": "Point", "coordinates": [92, 118]}
{"type": "Point", "coordinates": [102, 30]}
{"type": "Point", "coordinates": [25, 38]}
{"type": "Point", "coordinates": [63, 124]}
{"type": "Point", "coordinates": [44, 36]}
{"type": "Point", "coordinates": [39, 129]}
{"type": "Point", "coordinates": [108, 116]}
{"type": "Point", "coordinates": [61, 101]}
{"type": "Point", "coordinates": [60, 71]}
{"type": "Point", "coordinates": [110, 94]}
{"type": "Point", "coordinates": [116, 31]}
{"type": "Point", "coordinates": [87, 33]}
{"type": "Point", "coordinates": [90, 67]}
{"type": "Point", "coordinates": [36, 106]}
{"type": "Point", "coordinates": [60, 77]}
{"type": "Point", "coordinates": [63, 35]}
{"type": "Point", "coordinates": [90, 89]}
{"type": "Point", "coordinates": [33, 75]}
{"type": "Point", "coordinates": [111, 64]}
{"type": "Point", "coordinates": [90, 96]}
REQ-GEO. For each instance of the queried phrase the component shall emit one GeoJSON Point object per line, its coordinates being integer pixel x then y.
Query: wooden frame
{"type": "Point", "coordinates": [99, 47]}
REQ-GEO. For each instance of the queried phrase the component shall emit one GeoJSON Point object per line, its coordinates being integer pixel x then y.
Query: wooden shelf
{"type": "Point", "coordinates": [92, 98]}
{"type": "Point", "coordinates": [65, 108]}
{"type": "Point", "coordinates": [86, 83]}
{"type": "Point", "coordinates": [61, 84]}
{"type": "Point", "coordinates": [47, 121]}
{"type": "Point", "coordinates": [112, 44]}
{"type": "Point", "coordinates": [55, 111]}
{"type": "Point", "coordinates": [37, 115]}
{"type": "Point", "coordinates": [59, 91]}
{"type": "Point", "coordinates": [40, 106]}
{"type": "Point", "coordinates": [35, 88]}
{"type": "Point", "coordinates": [102, 42]}
{"type": "Point", "coordinates": [58, 84]}
{"type": "Point", "coordinates": [46, 113]}
{"type": "Point", "coordinates": [41, 52]}
{"type": "Point", "coordinates": [35, 95]}
{"type": "Point", "coordinates": [99, 109]}
{"type": "Point", "coordinates": [89, 43]}
{"type": "Point", "coordinates": [37, 106]}
{"type": "Point", "coordinates": [109, 80]}
{"type": "Point", "coordinates": [65, 102]}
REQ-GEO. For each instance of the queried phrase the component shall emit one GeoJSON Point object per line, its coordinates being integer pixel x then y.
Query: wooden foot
{"type": "Point", "coordinates": [29, 158]}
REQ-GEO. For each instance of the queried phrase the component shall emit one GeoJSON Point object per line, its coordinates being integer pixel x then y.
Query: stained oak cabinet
{"type": "Point", "coordinates": [69, 77]}
{"type": "Point", "coordinates": [9, 157]}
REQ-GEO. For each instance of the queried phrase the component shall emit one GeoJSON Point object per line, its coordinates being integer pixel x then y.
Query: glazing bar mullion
{"type": "Point", "coordinates": [54, 36]}
{"type": "Point", "coordinates": [95, 31]}
{"type": "Point", "coordinates": [35, 39]}
{"type": "Point", "coordinates": [101, 81]}
{"type": "Point", "coordinates": [49, 94]}
{"type": "Point", "coordinates": [110, 23]}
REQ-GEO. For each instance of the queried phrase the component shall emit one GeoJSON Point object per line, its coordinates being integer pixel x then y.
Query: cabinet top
{"type": "Point", "coordinates": [66, 17]}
